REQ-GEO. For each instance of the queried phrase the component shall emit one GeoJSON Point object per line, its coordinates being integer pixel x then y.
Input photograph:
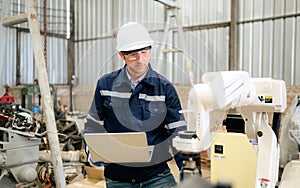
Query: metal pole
{"type": "Point", "coordinates": [3, 31]}
{"type": "Point", "coordinates": [13, 20]}
{"type": "Point", "coordinates": [70, 38]}
{"type": "Point", "coordinates": [233, 65]}
{"type": "Point", "coordinates": [46, 95]}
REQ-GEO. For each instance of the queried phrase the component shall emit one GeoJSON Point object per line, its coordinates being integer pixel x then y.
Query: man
{"type": "Point", "coordinates": [136, 98]}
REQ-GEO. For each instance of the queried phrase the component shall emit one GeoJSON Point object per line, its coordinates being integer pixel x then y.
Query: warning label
{"type": "Point", "coordinates": [265, 99]}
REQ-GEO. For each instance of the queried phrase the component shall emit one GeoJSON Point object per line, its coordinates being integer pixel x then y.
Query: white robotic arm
{"type": "Point", "coordinates": [218, 90]}
{"type": "Point", "coordinates": [271, 98]}
{"type": "Point", "coordinates": [252, 98]}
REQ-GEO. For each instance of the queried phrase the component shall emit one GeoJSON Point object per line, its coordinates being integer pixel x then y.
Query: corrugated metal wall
{"type": "Point", "coordinates": [57, 67]}
{"type": "Point", "coordinates": [96, 26]}
{"type": "Point", "coordinates": [268, 39]}
{"type": "Point", "coordinates": [208, 49]}
{"type": "Point", "coordinates": [269, 45]}
{"type": "Point", "coordinates": [19, 52]}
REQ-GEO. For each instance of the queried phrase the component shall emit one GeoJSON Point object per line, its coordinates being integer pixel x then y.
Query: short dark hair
{"type": "Point", "coordinates": [131, 51]}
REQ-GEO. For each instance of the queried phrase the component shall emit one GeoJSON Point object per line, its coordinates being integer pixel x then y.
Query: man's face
{"type": "Point", "coordinates": [137, 62]}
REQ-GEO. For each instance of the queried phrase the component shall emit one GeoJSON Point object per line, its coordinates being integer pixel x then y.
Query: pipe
{"type": "Point", "coordinates": [46, 95]}
{"type": "Point", "coordinates": [68, 20]}
{"type": "Point", "coordinates": [14, 20]}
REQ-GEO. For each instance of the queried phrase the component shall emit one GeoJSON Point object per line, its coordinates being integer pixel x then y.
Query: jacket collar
{"type": "Point", "coordinates": [122, 81]}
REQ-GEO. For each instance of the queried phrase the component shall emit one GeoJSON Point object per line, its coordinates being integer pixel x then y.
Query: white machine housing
{"type": "Point", "coordinates": [253, 98]}
{"type": "Point", "coordinates": [218, 90]}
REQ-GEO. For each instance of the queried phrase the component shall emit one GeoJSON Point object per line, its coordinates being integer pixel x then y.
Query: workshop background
{"type": "Point", "coordinates": [261, 37]}
{"type": "Point", "coordinates": [79, 39]}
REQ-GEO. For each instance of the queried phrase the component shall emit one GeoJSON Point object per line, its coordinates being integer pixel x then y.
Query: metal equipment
{"type": "Point", "coordinates": [218, 90]}
{"type": "Point", "coordinates": [246, 137]}
{"type": "Point", "coordinates": [19, 146]}
{"type": "Point", "coordinates": [31, 97]}
{"type": "Point", "coordinates": [6, 99]}
{"type": "Point", "coordinates": [25, 160]}
{"type": "Point", "coordinates": [290, 144]}
{"type": "Point", "coordinates": [30, 16]}
{"type": "Point", "coordinates": [172, 13]}
{"type": "Point", "coordinates": [19, 155]}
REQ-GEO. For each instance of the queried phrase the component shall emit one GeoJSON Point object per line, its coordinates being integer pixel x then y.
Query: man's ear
{"type": "Point", "coordinates": [122, 56]}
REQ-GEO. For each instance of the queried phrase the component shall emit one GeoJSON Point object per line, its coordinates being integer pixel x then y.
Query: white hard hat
{"type": "Point", "coordinates": [133, 36]}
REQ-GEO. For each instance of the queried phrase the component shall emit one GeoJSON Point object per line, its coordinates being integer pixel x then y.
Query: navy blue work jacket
{"type": "Point", "coordinates": [152, 106]}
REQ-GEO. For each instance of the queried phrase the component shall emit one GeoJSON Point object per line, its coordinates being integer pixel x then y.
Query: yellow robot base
{"type": "Point", "coordinates": [233, 160]}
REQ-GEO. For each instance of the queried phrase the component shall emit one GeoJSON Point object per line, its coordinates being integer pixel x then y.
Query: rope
{"type": "Point", "coordinates": [45, 30]}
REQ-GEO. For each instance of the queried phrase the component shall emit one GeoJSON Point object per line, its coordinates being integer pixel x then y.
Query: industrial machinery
{"type": "Point", "coordinates": [19, 146]}
{"type": "Point", "coordinates": [19, 156]}
{"type": "Point", "coordinates": [290, 144]}
{"type": "Point", "coordinates": [25, 160]}
{"type": "Point", "coordinates": [244, 148]}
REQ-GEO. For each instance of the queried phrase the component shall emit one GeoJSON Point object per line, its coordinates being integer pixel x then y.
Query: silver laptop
{"type": "Point", "coordinates": [129, 147]}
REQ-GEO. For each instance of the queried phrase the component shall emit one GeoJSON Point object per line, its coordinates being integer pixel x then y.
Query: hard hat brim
{"type": "Point", "coordinates": [136, 46]}
{"type": "Point", "coordinates": [140, 49]}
